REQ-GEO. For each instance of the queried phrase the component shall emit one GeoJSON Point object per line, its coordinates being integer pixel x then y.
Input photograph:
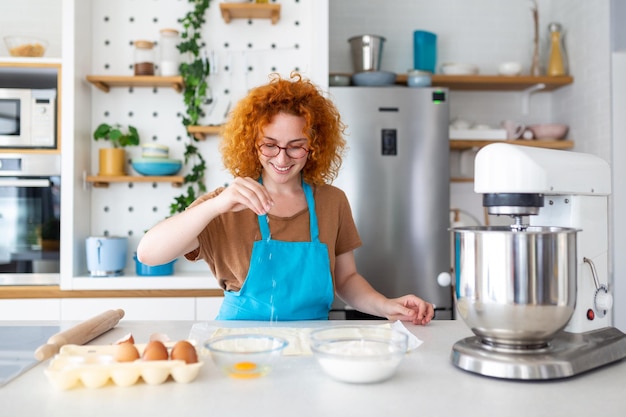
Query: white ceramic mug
{"type": "Point", "coordinates": [514, 130]}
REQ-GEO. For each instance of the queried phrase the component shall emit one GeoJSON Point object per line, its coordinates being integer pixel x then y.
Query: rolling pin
{"type": "Point", "coordinates": [80, 334]}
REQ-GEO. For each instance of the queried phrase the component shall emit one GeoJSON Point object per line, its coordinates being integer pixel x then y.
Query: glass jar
{"type": "Point", "coordinates": [144, 58]}
{"type": "Point", "coordinates": [557, 59]}
{"type": "Point", "coordinates": [170, 56]}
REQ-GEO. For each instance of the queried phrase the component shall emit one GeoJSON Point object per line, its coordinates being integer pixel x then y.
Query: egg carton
{"type": "Point", "coordinates": [94, 366]}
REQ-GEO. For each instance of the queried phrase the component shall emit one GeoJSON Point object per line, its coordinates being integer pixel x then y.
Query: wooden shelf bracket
{"type": "Point", "coordinates": [526, 96]}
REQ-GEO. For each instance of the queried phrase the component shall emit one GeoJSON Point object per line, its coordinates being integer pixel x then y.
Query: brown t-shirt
{"type": "Point", "coordinates": [226, 242]}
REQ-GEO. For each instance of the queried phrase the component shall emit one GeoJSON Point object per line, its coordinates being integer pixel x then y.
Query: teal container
{"type": "Point", "coordinates": [424, 51]}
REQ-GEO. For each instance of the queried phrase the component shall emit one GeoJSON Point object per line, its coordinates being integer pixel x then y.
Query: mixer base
{"type": "Point", "coordinates": [568, 354]}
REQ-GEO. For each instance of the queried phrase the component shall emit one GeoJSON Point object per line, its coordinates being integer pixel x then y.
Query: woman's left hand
{"type": "Point", "coordinates": [409, 308]}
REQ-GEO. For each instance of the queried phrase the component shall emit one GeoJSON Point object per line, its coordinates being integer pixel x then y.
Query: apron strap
{"type": "Point", "coordinates": [310, 201]}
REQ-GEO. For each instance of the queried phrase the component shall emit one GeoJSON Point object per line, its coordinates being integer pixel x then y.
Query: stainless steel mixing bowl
{"type": "Point", "coordinates": [515, 288]}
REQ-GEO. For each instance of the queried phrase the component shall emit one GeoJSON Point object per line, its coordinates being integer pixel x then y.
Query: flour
{"type": "Point", "coordinates": [360, 361]}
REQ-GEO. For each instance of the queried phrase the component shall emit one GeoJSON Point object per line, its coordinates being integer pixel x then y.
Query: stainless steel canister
{"type": "Point", "coordinates": [367, 52]}
{"type": "Point", "coordinates": [515, 287]}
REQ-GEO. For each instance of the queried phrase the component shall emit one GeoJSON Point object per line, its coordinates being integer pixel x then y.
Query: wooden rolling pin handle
{"type": "Point", "coordinates": [81, 333]}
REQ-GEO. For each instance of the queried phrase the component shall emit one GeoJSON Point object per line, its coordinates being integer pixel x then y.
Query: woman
{"type": "Point", "coordinates": [279, 238]}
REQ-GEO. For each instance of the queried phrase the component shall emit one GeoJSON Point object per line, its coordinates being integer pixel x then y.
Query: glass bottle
{"type": "Point", "coordinates": [557, 60]}
{"type": "Point", "coordinates": [144, 58]}
{"type": "Point", "coordinates": [170, 56]}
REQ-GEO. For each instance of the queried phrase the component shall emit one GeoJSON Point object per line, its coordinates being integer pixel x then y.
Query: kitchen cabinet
{"type": "Point", "coordinates": [207, 308]}
{"type": "Point", "coordinates": [135, 308]}
{"type": "Point", "coordinates": [250, 11]}
{"type": "Point", "coordinates": [147, 308]}
{"type": "Point", "coordinates": [30, 309]}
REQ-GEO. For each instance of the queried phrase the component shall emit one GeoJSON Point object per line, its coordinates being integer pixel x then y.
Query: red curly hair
{"type": "Point", "coordinates": [299, 97]}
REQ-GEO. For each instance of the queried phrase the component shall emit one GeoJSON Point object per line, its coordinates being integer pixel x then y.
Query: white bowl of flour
{"type": "Point", "coordinates": [361, 354]}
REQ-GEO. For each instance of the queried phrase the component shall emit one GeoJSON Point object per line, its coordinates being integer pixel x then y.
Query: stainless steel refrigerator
{"type": "Point", "coordinates": [396, 176]}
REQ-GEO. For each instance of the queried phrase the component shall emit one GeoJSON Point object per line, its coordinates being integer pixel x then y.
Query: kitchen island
{"type": "Point", "coordinates": [426, 384]}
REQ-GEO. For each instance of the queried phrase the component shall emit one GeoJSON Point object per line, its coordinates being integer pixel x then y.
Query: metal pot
{"type": "Point", "coordinates": [155, 270]}
{"type": "Point", "coordinates": [515, 287]}
{"type": "Point", "coordinates": [367, 52]}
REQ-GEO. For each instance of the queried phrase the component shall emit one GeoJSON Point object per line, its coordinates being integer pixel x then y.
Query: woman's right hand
{"type": "Point", "coordinates": [244, 193]}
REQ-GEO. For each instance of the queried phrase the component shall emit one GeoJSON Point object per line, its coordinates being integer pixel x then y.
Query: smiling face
{"type": "Point", "coordinates": [285, 131]}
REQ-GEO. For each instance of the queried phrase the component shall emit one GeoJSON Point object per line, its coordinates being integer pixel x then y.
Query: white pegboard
{"type": "Point", "coordinates": [245, 51]}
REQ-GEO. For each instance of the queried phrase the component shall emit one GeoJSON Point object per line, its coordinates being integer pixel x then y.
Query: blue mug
{"type": "Point", "coordinates": [106, 256]}
{"type": "Point", "coordinates": [424, 51]}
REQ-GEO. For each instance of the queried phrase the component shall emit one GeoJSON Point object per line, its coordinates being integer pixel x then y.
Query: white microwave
{"type": "Point", "coordinates": [27, 118]}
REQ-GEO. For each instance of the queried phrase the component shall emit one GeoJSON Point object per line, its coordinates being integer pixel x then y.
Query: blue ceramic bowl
{"type": "Point", "coordinates": [156, 270]}
{"type": "Point", "coordinates": [374, 78]}
{"type": "Point", "coordinates": [156, 166]}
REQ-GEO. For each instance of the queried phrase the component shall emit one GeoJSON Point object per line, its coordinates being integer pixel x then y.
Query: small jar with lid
{"type": "Point", "coordinates": [170, 56]}
{"type": "Point", "coordinates": [144, 57]}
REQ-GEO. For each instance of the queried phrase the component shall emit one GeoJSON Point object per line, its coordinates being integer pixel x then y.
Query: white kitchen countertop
{"type": "Point", "coordinates": [427, 384]}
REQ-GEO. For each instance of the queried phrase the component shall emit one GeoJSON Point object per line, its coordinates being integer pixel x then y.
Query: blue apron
{"type": "Point", "coordinates": [286, 280]}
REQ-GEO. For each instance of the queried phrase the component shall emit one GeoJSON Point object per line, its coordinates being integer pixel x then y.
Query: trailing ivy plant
{"type": "Point", "coordinates": [194, 73]}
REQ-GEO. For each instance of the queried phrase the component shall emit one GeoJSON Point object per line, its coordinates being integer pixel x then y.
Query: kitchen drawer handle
{"type": "Point", "coordinates": [32, 183]}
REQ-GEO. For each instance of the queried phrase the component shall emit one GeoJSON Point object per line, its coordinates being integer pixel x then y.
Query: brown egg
{"type": "Point", "coordinates": [155, 351]}
{"type": "Point", "coordinates": [126, 352]}
{"type": "Point", "coordinates": [126, 339]}
{"type": "Point", "coordinates": [183, 350]}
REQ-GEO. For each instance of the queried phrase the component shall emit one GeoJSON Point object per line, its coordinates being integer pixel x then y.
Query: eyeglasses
{"type": "Point", "coordinates": [271, 150]}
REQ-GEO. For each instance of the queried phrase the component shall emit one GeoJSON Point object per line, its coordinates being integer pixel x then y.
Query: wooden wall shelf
{"type": "Point", "coordinates": [250, 11]}
{"type": "Point", "coordinates": [105, 82]}
{"type": "Point", "coordinates": [461, 179]}
{"type": "Point", "coordinates": [104, 181]}
{"type": "Point", "coordinates": [538, 143]}
{"type": "Point", "coordinates": [460, 145]}
{"type": "Point", "coordinates": [493, 82]}
{"type": "Point", "coordinates": [200, 132]}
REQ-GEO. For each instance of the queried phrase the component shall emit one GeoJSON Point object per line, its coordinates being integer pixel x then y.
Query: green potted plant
{"type": "Point", "coordinates": [194, 73]}
{"type": "Point", "coordinates": [112, 161]}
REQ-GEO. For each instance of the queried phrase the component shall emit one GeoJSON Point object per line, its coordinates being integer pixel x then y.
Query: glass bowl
{"type": "Point", "coordinates": [25, 46]}
{"type": "Point", "coordinates": [358, 354]}
{"type": "Point", "coordinates": [245, 356]}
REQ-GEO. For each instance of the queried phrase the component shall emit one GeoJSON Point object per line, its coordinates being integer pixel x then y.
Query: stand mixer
{"type": "Point", "coordinates": [536, 293]}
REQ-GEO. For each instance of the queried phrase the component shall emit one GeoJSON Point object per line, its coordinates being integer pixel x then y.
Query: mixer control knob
{"type": "Point", "coordinates": [603, 299]}
{"type": "Point", "coordinates": [444, 279]}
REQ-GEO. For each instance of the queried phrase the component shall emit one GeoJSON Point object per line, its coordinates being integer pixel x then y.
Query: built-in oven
{"type": "Point", "coordinates": [30, 203]}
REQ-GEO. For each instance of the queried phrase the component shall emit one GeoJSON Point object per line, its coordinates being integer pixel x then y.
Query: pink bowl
{"type": "Point", "coordinates": [549, 130]}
